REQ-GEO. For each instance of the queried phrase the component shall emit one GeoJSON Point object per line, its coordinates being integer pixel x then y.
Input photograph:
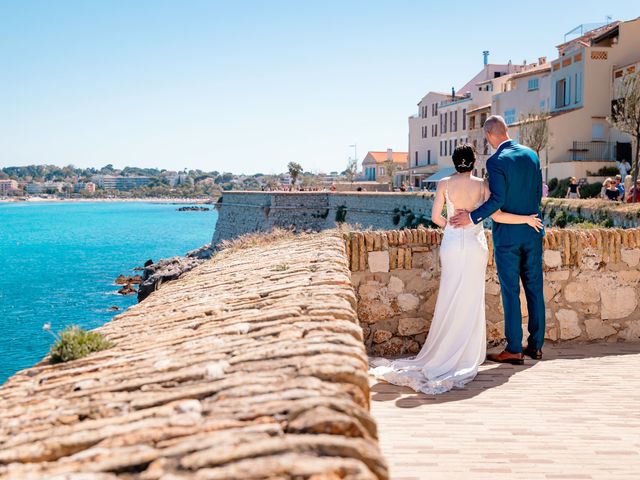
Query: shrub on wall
{"type": "Point", "coordinates": [75, 342]}
{"type": "Point", "coordinates": [590, 190]}
{"type": "Point", "coordinates": [341, 213]}
{"type": "Point", "coordinates": [411, 220]}
{"type": "Point", "coordinates": [609, 171]}
{"type": "Point", "coordinates": [560, 189]}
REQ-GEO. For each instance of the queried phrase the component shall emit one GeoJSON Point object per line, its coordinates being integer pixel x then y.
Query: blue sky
{"type": "Point", "coordinates": [247, 86]}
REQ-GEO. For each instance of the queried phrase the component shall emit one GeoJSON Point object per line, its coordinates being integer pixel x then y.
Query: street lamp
{"type": "Point", "coordinates": [355, 151]}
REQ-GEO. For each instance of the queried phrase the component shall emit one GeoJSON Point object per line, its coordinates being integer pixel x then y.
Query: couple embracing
{"type": "Point", "coordinates": [456, 344]}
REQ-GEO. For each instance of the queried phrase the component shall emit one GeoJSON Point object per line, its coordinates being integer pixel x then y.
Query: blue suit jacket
{"type": "Point", "coordinates": [515, 181]}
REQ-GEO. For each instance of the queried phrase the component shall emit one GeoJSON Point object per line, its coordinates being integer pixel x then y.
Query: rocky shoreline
{"type": "Point", "coordinates": [193, 209]}
{"type": "Point", "coordinates": [168, 269]}
{"type": "Point", "coordinates": [155, 274]}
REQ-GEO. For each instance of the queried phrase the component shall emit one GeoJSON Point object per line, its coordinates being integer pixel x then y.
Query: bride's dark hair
{"type": "Point", "coordinates": [464, 158]}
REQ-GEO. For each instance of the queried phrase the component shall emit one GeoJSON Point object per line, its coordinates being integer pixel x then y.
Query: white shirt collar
{"type": "Point", "coordinates": [503, 142]}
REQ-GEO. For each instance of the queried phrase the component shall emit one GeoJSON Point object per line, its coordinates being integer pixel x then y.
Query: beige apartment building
{"type": "Point", "coordinates": [424, 134]}
{"type": "Point", "coordinates": [442, 124]}
{"type": "Point", "coordinates": [476, 93]}
{"type": "Point", "coordinates": [576, 91]}
{"type": "Point", "coordinates": [582, 90]}
{"type": "Point", "coordinates": [8, 187]}
{"type": "Point", "coordinates": [524, 94]}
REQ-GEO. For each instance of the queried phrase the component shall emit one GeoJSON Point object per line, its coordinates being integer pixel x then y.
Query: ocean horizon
{"type": "Point", "coordinates": [60, 260]}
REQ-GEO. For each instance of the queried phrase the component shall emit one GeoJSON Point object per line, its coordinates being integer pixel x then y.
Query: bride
{"type": "Point", "coordinates": [456, 343]}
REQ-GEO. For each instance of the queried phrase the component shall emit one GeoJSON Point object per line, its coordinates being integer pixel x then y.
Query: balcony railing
{"type": "Point", "coordinates": [593, 151]}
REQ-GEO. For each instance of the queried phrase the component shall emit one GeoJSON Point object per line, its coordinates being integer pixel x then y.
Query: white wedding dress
{"type": "Point", "coordinates": [456, 344]}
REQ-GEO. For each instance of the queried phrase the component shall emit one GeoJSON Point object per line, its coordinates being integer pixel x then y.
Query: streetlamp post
{"type": "Point", "coordinates": [355, 151]}
{"type": "Point", "coordinates": [355, 154]}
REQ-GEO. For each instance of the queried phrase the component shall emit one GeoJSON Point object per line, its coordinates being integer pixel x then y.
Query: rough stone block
{"type": "Point", "coordinates": [582, 292]}
{"type": "Point", "coordinates": [557, 276]}
{"type": "Point", "coordinates": [408, 302]}
{"type": "Point", "coordinates": [632, 332]}
{"type": "Point", "coordinates": [630, 256]}
{"type": "Point", "coordinates": [552, 258]}
{"type": "Point", "coordinates": [379, 261]}
{"type": "Point", "coordinates": [597, 329]}
{"type": "Point", "coordinates": [619, 302]}
{"type": "Point", "coordinates": [380, 336]}
{"type": "Point", "coordinates": [374, 310]}
{"type": "Point", "coordinates": [412, 326]}
{"type": "Point", "coordinates": [492, 288]}
{"type": "Point", "coordinates": [396, 285]}
{"type": "Point", "coordinates": [569, 324]}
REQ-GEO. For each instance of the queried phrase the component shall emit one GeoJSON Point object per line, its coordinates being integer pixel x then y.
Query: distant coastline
{"type": "Point", "coordinates": [201, 200]}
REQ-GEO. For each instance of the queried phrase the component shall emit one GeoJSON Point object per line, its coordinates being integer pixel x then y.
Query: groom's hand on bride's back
{"type": "Point", "coordinates": [460, 219]}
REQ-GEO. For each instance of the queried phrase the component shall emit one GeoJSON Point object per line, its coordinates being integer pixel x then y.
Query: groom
{"type": "Point", "coordinates": [515, 181]}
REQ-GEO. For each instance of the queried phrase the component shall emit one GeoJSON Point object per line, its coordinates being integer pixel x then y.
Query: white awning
{"type": "Point", "coordinates": [440, 174]}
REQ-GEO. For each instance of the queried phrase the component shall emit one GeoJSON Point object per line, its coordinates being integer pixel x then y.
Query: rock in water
{"type": "Point", "coordinates": [113, 308]}
{"type": "Point", "coordinates": [128, 289]}
{"type": "Point", "coordinates": [169, 269]}
{"type": "Point", "coordinates": [121, 280]}
{"type": "Point", "coordinates": [193, 209]}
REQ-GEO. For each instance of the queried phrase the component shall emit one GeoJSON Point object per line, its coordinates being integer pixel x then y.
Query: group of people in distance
{"type": "Point", "coordinates": [613, 189]}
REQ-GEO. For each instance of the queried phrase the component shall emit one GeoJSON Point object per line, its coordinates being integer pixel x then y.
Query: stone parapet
{"type": "Point", "coordinates": [251, 365]}
{"type": "Point", "coordinates": [240, 212]}
{"type": "Point", "coordinates": [591, 286]}
{"type": "Point", "coordinates": [617, 214]}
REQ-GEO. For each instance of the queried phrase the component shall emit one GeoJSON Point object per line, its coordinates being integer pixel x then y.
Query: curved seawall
{"type": "Point", "coordinates": [251, 362]}
{"type": "Point", "coordinates": [246, 212]}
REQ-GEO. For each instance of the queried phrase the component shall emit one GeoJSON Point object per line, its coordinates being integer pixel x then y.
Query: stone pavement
{"type": "Point", "coordinates": [574, 415]}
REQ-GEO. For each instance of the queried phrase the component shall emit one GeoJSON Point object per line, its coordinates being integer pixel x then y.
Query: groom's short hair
{"type": "Point", "coordinates": [495, 125]}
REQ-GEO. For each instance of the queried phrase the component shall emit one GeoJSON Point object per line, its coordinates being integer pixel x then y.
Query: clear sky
{"type": "Point", "coordinates": [248, 86]}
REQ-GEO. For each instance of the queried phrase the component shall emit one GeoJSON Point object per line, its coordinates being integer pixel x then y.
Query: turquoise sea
{"type": "Point", "coordinates": [58, 262]}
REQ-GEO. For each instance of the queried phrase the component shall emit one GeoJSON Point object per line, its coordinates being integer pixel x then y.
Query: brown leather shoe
{"type": "Point", "coordinates": [507, 357]}
{"type": "Point", "coordinates": [533, 353]}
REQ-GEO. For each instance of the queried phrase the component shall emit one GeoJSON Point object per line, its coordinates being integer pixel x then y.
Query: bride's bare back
{"type": "Point", "coordinates": [465, 191]}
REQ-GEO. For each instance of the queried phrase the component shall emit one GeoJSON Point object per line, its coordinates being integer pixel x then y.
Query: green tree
{"type": "Point", "coordinates": [626, 116]}
{"type": "Point", "coordinates": [351, 170]}
{"type": "Point", "coordinates": [392, 168]}
{"type": "Point", "coordinates": [534, 133]}
{"type": "Point", "coordinates": [295, 169]}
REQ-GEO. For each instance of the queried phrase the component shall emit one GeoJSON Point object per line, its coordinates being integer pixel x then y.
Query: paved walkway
{"type": "Point", "coordinates": [574, 415]}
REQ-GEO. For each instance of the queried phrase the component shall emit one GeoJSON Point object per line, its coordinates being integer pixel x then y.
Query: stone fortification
{"type": "Point", "coordinates": [246, 212]}
{"type": "Point", "coordinates": [591, 286]}
{"type": "Point", "coordinates": [252, 365]}
{"type": "Point", "coordinates": [616, 214]}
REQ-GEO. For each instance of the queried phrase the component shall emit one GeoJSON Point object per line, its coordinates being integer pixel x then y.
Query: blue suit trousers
{"type": "Point", "coordinates": [521, 261]}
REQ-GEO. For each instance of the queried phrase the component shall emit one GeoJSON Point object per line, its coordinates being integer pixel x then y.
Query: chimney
{"type": "Point", "coordinates": [389, 155]}
{"type": "Point", "coordinates": [453, 93]}
{"type": "Point", "coordinates": [485, 54]}
{"type": "Point", "coordinates": [542, 60]}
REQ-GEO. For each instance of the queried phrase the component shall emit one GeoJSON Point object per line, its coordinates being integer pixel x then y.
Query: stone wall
{"type": "Point", "coordinates": [592, 210]}
{"type": "Point", "coordinates": [247, 212]}
{"type": "Point", "coordinates": [251, 365]}
{"type": "Point", "coordinates": [591, 286]}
